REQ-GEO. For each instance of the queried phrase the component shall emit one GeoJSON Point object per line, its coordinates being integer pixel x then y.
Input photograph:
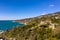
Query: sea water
{"type": "Point", "coordinates": [9, 24]}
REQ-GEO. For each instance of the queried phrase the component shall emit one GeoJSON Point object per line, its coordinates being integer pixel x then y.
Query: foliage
{"type": "Point", "coordinates": [42, 32]}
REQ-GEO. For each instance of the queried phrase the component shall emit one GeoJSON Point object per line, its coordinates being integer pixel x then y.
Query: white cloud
{"type": "Point", "coordinates": [44, 13]}
{"type": "Point", "coordinates": [51, 5]}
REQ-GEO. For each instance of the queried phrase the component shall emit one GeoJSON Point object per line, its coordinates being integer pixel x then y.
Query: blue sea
{"type": "Point", "coordinates": [9, 24]}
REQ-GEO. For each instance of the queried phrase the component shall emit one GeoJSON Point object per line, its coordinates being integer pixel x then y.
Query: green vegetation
{"type": "Point", "coordinates": [42, 33]}
{"type": "Point", "coordinates": [34, 31]}
{"type": "Point", "coordinates": [55, 21]}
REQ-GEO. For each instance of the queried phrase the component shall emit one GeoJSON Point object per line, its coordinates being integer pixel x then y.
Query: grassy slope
{"type": "Point", "coordinates": [34, 31]}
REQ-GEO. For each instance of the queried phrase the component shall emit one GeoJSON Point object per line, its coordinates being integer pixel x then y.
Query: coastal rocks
{"type": "Point", "coordinates": [1, 31]}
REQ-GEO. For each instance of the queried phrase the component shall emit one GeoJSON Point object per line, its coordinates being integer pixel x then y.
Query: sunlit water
{"type": "Point", "coordinates": [9, 24]}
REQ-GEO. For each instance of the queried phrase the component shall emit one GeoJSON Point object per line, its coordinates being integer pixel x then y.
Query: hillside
{"type": "Point", "coordinates": [45, 27]}
{"type": "Point", "coordinates": [52, 15]}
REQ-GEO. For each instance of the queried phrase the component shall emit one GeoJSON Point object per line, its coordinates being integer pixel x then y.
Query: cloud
{"type": "Point", "coordinates": [51, 5]}
{"type": "Point", "coordinates": [44, 13]}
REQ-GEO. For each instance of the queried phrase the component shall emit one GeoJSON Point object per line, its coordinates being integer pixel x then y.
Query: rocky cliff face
{"type": "Point", "coordinates": [45, 27]}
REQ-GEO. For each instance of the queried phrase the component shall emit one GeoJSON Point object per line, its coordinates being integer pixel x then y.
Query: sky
{"type": "Point", "coordinates": [21, 9]}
